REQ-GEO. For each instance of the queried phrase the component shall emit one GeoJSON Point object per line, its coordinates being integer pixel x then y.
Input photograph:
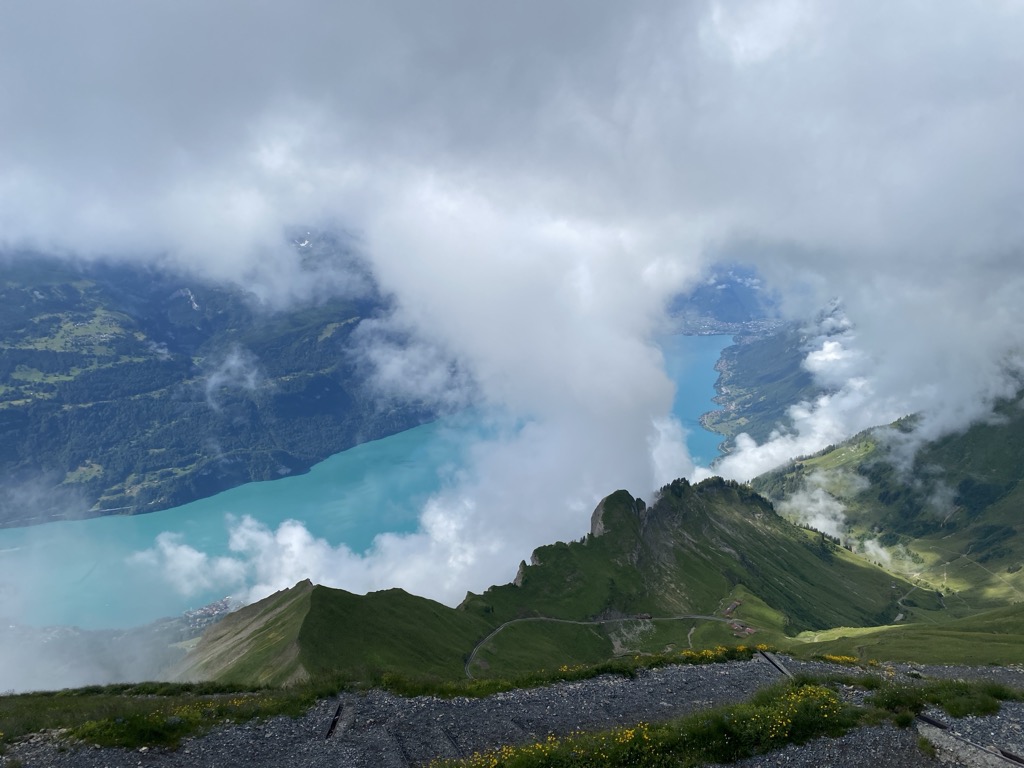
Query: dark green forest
{"type": "Point", "coordinates": [127, 389]}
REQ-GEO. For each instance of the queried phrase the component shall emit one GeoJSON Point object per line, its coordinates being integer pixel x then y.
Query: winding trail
{"type": "Point", "coordinates": [595, 622]}
{"type": "Point", "coordinates": [976, 564]}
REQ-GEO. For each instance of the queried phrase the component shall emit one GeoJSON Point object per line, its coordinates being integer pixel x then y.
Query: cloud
{"type": "Point", "coordinates": [401, 365]}
{"type": "Point", "coordinates": [947, 366]}
{"type": "Point", "coordinates": [873, 550]}
{"type": "Point", "coordinates": [188, 569]}
{"type": "Point", "coordinates": [850, 402]}
{"type": "Point", "coordinates": [28, 497]}
{"type": "Point", "coordinates": [531, 183]}
{"type": "Point", "coordinates": [813, 505]}
{"type": "Point", "coordinates": [238, 369]}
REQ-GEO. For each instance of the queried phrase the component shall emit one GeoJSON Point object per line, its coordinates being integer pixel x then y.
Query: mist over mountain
{"type": "Point", "coordinates": [947, 511]}
{"type": "Point", "coordinates": [532, 186]}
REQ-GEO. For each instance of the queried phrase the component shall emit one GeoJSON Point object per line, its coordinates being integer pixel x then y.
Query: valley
{"type": "Point", "coordinates": [511, 385]}
{"type": "Point", "coordinates": [920, 562]}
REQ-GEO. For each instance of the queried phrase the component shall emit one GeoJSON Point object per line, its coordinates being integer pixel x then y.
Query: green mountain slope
{"type": "Point", "coordinates": [994, 636]}
{"type": "Point", "coordinates": [686, 554]}
{"type": "Point", "coordinates": [258, 643]}
{"type": "Point", "coordinates": [646, 578]}
{"type": "Point", "coordinates": [951, 518]}
{"type": "Point", "coordinates": [126, 390]}
{"type": "Point", "coordinates": [309, 631]}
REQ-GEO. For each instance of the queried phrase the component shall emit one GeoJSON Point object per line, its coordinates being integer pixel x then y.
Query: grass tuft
{"type": "Point", "coordinates": [162, 714]}
{"type": "Point", "coordinates": [146, 714]}
{"type": "Point", "coordinates": [780, 715]}
{"type": "Point", "coordinates": [957, 698]}
{"type": "Point", "coordinates": [787, 713]}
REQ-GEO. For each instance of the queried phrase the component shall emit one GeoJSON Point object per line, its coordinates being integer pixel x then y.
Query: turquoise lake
{"type": "Point", "coordinates": [690, 363]}
{"type": "Point", "coordinates": [80, 573]}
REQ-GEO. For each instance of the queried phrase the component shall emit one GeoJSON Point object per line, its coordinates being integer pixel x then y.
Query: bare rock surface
{"type": "Point", "coordinates": [380, 729]}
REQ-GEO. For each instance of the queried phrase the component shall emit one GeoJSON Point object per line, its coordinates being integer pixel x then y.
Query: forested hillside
{"type": "Point", "coordinates": [125, 389]}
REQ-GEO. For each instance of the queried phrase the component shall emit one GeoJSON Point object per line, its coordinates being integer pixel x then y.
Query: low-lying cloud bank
{"type": "Point", "coordinates": [532, 183]}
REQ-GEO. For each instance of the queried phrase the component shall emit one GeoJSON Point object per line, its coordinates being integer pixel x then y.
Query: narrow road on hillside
{"type": "Point", "coordinates": [964, 556]}
{"type": "Point", "coordinates": [500, 627]}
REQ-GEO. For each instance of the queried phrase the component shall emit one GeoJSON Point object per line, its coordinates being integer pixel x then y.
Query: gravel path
{"type": "Point", "coordinates": [379, 729]}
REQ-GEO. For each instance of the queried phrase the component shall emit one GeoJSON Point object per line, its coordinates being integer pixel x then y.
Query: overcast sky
{"type": "Point", "coordinates": [532, 181]}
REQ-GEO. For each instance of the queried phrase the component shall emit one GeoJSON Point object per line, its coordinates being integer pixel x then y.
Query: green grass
{"type": "Point", "coordinates": [391, 630]}
{"type": "Point", "coordinates": [633, 589]}
{"type": "Point", "coordinates": [150, 714]}
{"type": "Point", "coordinates": [545, 645]}
{"type": "Point", "coordinates": [957, 698]}
{"type": "Point", "coordinates": [756, 612]}
{"type": "Point", "coordinates": [257, 645]}
{"type": "Point", "coordinates": [951, 524]}
{"type": "Point", "coordinates": [314, 632]}
{"type": "Point", "coordinates": [697, 543]}
{"type": "Point", "coordinates": [775, 717]}
{"type": "Point", "coordinates": [993, 637]}
{"type": "Point", "coordinates": [541, 645]}
{"type": "Point", "coordinates": [787, 713]}
{"type": "Point", "coordinates": [673, 635]}
{"type": "Point", "coordinates": [161, 714]}
{"type": "Point", "coordinates": [577, 580]}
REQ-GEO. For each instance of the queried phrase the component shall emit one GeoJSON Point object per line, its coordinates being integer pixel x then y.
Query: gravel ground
{"type": "Point", "coordinates": [1002, 731]}
{"type": "Point", "coordinates": [882, 747]}
{"type": "Point", "coordinates": [381, 730]}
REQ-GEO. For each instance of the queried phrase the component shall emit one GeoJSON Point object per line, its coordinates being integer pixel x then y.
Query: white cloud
{"type": "Point", "coordinates": [813, 505]}
{"type": "Point", "coordinates": [189, 570]}
{"type": "Point", "coordinates": [668, 452]}
{"type": "Point", "coordinates": [871, 549]}
{"type": "Point", "coordinates": [237, 369]}
{"type": "Point", "coordinates": [754, 32]}
{"type": "Point", "coordinates": [531, 181]}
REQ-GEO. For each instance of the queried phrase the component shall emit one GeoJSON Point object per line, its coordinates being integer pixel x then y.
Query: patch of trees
{"type": "Point", "coordinates": [975, 496]}
{"type": "Point", "coordinates": [990, 541]}
{"type": "Point", "coordinates": [122, 380]}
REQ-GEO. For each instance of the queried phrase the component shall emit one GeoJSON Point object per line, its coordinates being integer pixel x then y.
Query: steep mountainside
{"type": "Point", "coordinates": [685, 554]}
{"type": "Point", "coordinates": [950, 514]}
{"type": "Point", "coordinates": [699, 551]}
{"type": "Point", "coordinates": [126, 390]}
{"type": "Point", "coordinates": [313, 630]}
{"type": "Point", "coordinates": [256, 643]}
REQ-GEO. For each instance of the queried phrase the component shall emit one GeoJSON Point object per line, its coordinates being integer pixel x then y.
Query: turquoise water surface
{"type": "Point", "coordinates": [690, 363]}
{"type": "Point", "coordinates": [76, 572]}
{"type": "Point", "coordinates": [81, 573]}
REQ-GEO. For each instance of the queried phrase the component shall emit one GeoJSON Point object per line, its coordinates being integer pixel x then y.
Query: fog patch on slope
{"type": "Point", "coordinates": [237, 369]}
{"type": "Point", "coordinates": [813, 506]}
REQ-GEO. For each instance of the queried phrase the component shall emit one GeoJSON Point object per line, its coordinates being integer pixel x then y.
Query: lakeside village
{"type": "Point", "coordinates": [201, 618]}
